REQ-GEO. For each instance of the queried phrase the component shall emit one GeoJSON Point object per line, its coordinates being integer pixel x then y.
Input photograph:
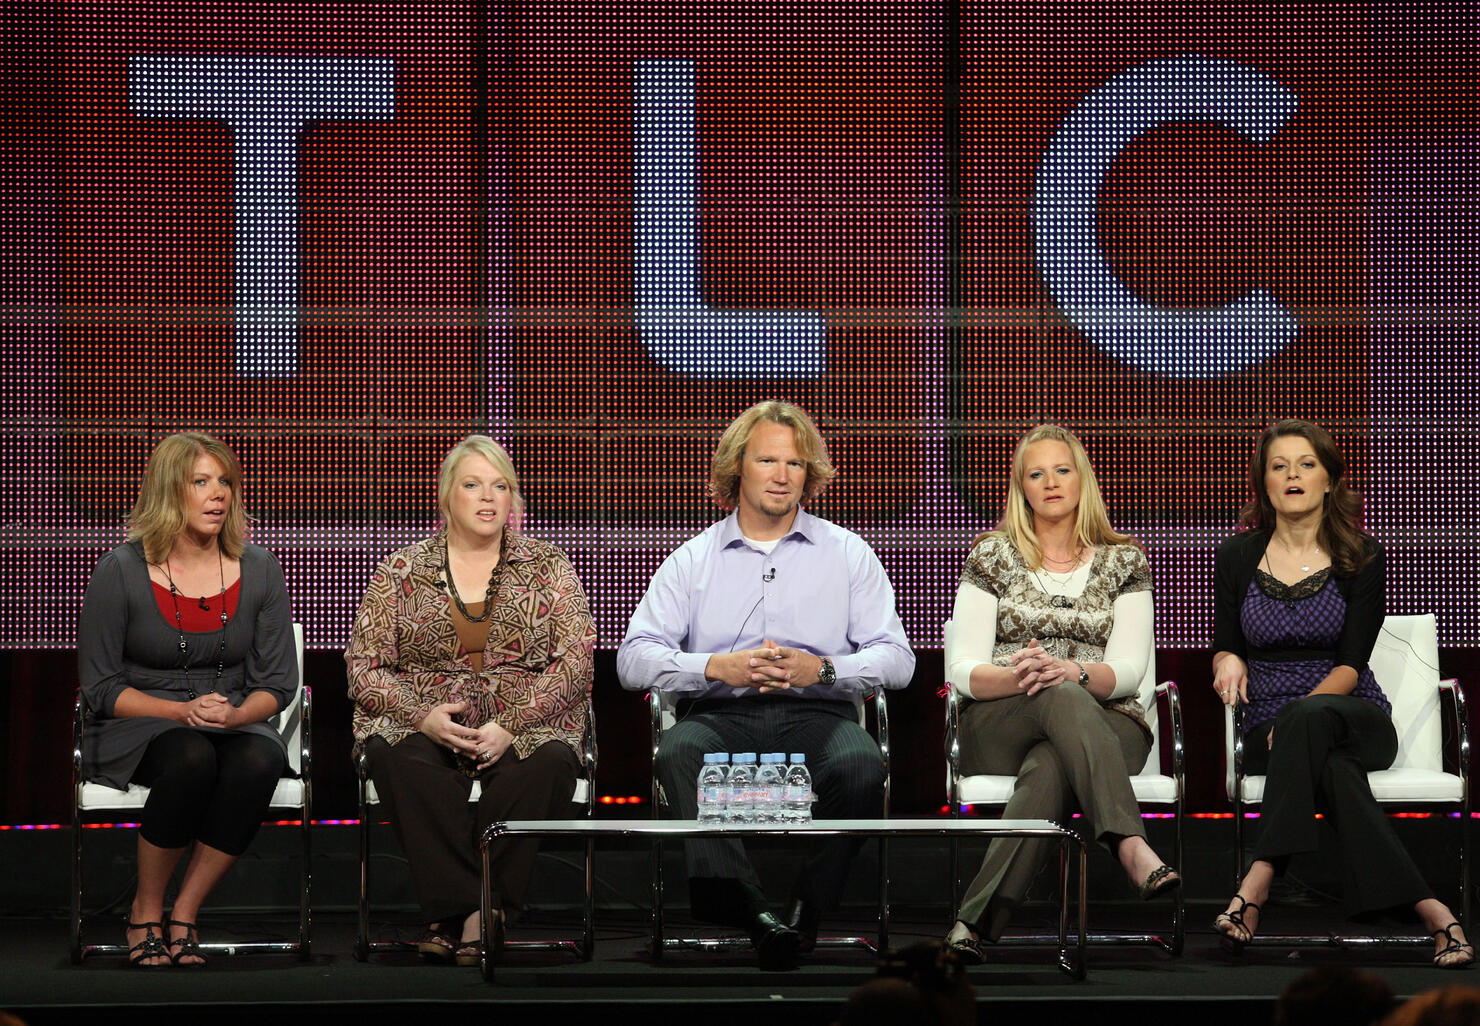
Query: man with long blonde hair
{"type": "Point", "coordinates": [767, 625]}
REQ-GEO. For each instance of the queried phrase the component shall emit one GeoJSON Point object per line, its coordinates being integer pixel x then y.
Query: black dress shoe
{"type": "Point", "coordinates": [775, 942]}
{"type": "Point", "coordinates": [804, 917]}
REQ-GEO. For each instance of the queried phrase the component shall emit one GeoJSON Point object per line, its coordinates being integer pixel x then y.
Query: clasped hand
{"type": "Point", "coordinates": [210, 710]}
{"type": "Point", "coordinates": [1035, 669]}
{"type": "Point", "coordinates": [485, 745]}
{"type": "Point", "coordinates": [771, 667]}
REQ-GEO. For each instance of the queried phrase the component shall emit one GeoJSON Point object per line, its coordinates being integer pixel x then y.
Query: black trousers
{"type": "Point", "coordinates": [847, 779]}
{"type": "Point", "coordinates": [426, 798]}
{"type": "Point", "coordinates": [208, 786]}
{"type": "Point", "coordinates": [1324, 747]}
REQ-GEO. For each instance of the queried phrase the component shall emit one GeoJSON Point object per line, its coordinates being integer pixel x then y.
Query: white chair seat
{"type": "Point", "coordinates": [580, 797]}
{"type": "Point", "coordinates": [288, 794]}
{"type": "Point", "coordinates": [1150, 788]}
{"type": "Point", "coordinates": [1397, 786]}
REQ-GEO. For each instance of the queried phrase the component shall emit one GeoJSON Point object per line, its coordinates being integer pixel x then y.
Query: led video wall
{"type": "Point", "coordinates": [341, 237]}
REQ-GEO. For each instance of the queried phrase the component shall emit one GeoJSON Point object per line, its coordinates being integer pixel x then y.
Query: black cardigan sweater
{"type": "Point", "coordinates": [1237, 559]}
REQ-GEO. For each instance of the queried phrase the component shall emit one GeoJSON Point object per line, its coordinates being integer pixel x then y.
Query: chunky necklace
{"type": "Point", "coordinates": [493, 579]}
{"type": "Point", "coordinates": [180, 624]}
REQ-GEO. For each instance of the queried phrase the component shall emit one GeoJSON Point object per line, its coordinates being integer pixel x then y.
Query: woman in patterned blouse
{"type": "Point", "coordinates": [1052, 633]}
{"type": "Point", "coordinates": [471, 660]}
{"type": "Point", "coordinates": [1299, 602]}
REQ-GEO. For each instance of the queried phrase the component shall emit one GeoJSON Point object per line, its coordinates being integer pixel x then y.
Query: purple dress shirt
{"type": "Point", "coordinates": [822, 590]}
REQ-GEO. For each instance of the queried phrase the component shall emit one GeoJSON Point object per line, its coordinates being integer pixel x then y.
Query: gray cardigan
{"type": "Point", "coordinates": [123, 641]}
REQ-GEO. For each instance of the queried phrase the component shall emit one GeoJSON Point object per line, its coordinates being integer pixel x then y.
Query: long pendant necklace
{"type": "Point", "coordinates": [180, 623]}
{"type": "Point", "coordinates": [493, 579]}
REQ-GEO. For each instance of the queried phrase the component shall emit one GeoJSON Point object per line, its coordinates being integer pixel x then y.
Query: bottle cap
{"type": "Point", "coordinates": [798, 757]}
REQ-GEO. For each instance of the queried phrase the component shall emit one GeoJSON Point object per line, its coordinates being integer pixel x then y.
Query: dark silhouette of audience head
{"type": "Point", "coordinates": [1449, 1006]}
{"type": "Point", "coordinates": [923, 984]}
{"type": "Point", "coordinates": [1334, 995]}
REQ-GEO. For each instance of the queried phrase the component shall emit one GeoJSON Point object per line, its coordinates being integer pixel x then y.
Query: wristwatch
{"type": "Point", "coordinates": [1083, 675]}
{"type": "Point", "coordinates": [827, 674]}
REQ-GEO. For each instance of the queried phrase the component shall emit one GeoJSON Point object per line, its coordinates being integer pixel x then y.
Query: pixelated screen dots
{"type": "Point", "coordinates": [1026, 358]}
{"type": "Point", "coordinates": [809, 193]}
{"type": "Point", "coordinates": [1175, 343]}
{"type": "Point", "coordinates": [673, 321]}
{"type": "Point", "coordinates": [266, 101]}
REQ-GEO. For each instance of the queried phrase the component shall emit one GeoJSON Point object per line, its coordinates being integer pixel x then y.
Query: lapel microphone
{"type": "Point", "coordinates": [768, 578]}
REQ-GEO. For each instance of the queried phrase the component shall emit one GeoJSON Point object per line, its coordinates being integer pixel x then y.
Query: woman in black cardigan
{"type": "Point", "coordinates": [1299, 603]}
{"type": "Point", "coordinates": [185, 649]}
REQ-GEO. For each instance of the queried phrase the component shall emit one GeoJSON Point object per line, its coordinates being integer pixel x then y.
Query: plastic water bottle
{"type": "Point", "coordinates": [770, 786]}
{"type": "Point", "coordinates": [742, 788]}
{"type": "Point", "coordinates": [798, 805]}
{"type": "Point", "coordinates": [713, 794]}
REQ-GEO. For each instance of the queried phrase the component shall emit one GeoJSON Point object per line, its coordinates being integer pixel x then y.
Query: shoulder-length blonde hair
{"type": "Point", "coordinates": [1341, 531]}
{"type": "Point", "coordinates": [159, 514]}
{"type": "Point", "coordinates": [498, 456]}
{"type": "Point", "coordinates": [724, 468]}
{"type": "Point", "coordinates": [1091, 520]}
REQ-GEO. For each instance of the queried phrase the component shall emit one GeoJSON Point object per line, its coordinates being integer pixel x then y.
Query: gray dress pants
{"type": "Point", "coordinates": [1069, 753]}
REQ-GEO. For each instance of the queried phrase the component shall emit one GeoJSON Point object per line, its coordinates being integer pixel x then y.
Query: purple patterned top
{"type": "Point", "coordinates": [1308, 614]}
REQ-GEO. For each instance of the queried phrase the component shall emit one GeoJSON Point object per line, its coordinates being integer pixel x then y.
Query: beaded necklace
{"type": "Point", "coordinates": [180, 624]}
{"type": "Point", "coordinates": [493, 579]}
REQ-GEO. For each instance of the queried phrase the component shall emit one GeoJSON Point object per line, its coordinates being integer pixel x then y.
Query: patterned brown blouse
{"type": "Point", "coordinates": [404, 656]}
{"type": "Point", "coordinates": [1025, 611]}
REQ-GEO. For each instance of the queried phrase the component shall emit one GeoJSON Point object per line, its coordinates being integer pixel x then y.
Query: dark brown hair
{"type": "Point", "coordinates": [1340, 532]}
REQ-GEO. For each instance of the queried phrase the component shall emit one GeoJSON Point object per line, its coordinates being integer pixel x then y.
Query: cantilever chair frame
{"type": "Point", "coordinates": [1238, 783]}
{"type": "Point", "coordinates": [1150, 788]}
{"type": "Point", "coordinates": [662, 708]}
{"type": "Point", "coordinates": [294, 794]}
{"type": "Point", "coordinates": [585, 794]}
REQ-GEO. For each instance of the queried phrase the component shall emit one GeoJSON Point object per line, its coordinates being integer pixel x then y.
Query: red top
{"type": "Point", "coordinates": [198, 615]}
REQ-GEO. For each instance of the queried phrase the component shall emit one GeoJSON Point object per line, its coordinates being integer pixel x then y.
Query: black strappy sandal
{"type": "Point", "coordinates": [1455, 944]}
{"type": "Point", "coordinates": [150, 947]}
{"type": "Point", "coordinates": [189, 945]}
{"type": "Point", "coordinates": [1231, 944]}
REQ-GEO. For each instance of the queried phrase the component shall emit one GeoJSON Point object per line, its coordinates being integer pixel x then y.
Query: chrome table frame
{"type": "Point", "coordinates": [660, 830]}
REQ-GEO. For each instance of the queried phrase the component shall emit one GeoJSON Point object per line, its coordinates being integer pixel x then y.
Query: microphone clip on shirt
{"type": "Point", "coordinates": [769, 577]}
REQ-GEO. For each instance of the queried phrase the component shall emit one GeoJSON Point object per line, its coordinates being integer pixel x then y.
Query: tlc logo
{"type": "Point", "coordinates": [267, 101]}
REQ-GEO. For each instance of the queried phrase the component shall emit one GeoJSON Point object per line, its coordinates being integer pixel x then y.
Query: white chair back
{"type": "Point", "coordinates": [1405, 662]}
{"type": "Point", "coordinates": [289, 721]}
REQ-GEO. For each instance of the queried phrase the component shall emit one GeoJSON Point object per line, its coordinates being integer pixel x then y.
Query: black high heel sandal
{"type": "Point", "coordinates": [150, 947]}
{"type": "Point", "coordinates": [1455, 944]}
{"type": "Point", "coordinates": [189, 945]}
{"type": "Point", "coordinates": [1231, 944]}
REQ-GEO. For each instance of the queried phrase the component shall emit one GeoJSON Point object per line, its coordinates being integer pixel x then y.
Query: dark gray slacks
{"type": "Point", "coordinates": [1324, 747]}
{"type": "Point", "coordinates": [847, 779]}
{"type": "Point", "coordinates": [1068, 752]}
{"type": "Point", "coordinates": [426, 799]}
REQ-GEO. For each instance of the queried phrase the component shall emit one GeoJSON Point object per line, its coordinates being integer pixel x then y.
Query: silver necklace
{"type": "Point", "coordinates": [1305, 569]}
{"type": "Point", "coordinates": [1058, 599]}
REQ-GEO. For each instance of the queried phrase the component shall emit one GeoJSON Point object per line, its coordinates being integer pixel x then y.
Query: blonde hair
{"type": "Point", "coordinates": [1091, 520]}
{"type": "Point", "coordinates": [724, 468]}
{"type": "Point", "coordinates": [159, 513]}
{"type": "Point", "coordinates": [495, 454]}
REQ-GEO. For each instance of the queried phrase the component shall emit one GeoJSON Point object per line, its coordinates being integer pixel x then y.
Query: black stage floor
{"type": "Point", "coordinates": [1021, 984]}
